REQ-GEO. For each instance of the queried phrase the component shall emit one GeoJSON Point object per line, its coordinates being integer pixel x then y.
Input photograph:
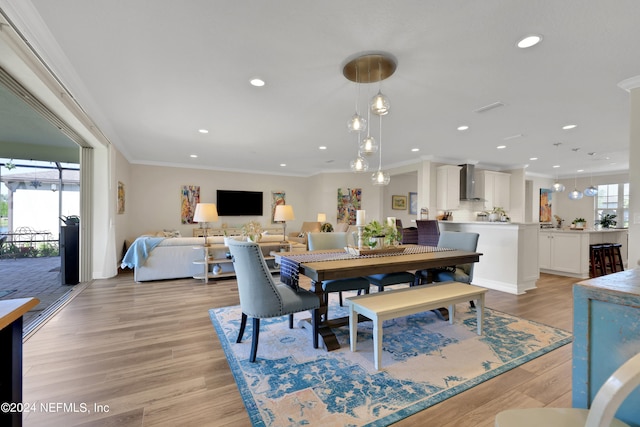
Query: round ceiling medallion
{"type": "Point", "coordinates": [370, 67]}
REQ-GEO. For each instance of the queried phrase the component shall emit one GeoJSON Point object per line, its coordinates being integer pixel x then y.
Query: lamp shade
{"type": "Point", "coordinates": [205, 212]}
{"type": "Point", "coordinates": [284, 213]}
{"type": "Point", "coordinates": [322, 217]}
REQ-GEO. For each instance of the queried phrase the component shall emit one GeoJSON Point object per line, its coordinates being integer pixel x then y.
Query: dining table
{"type": "Point", "coordinates": [339, 264]}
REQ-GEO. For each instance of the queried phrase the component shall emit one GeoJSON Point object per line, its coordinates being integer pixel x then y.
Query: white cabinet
{"type": "Point", "coordinates": [448, 187]}
{"type": "Point", "coordinates": [494, 188]}
{"type": "Point", "coordinates": [564, 252]}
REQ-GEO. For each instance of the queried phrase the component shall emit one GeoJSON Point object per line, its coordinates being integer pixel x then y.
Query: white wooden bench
{"type": "Point", "coordinates": [381, 306]}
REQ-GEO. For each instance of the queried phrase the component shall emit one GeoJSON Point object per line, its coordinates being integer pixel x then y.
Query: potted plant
{"type": "Point", "coordinates": [252, 231]}
{"type": "Point", "coordinates": [375, 234]}
{"type": "Point", "coordinates": [225, 231]}
{"type": "Point", "coordinates": [326, 227]}
{"type": "Point", "coordinates": [558, 221]}
{"type": "Point", "coordinates": [608, 220]}
{"type": "Point", "coordinates": [579, 223]}
{"type": "Point", "coordinates": [497, 213]}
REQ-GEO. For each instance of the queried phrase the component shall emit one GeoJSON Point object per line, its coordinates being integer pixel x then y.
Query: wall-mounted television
{"type": "Point", "coordinates": [239, 203]}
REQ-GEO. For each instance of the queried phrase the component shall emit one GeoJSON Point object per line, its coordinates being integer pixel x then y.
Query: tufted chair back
{"type": "Point", "coordinates": [258, 294]}
{"type": "Point", "coordinates": [464, 242]}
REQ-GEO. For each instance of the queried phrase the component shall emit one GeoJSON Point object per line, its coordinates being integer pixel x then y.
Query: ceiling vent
{"type": "Point", "coordinates": [489, 107]}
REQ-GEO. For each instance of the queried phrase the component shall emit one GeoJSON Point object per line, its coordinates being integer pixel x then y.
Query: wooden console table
{"type": "Point", "coordinates": [11, 312]}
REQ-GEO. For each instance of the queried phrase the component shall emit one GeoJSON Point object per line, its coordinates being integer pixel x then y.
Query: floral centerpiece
{"type": "Point", "coordinates": [376, 235]}
{"type": "Point", "coordinates": [252, 231]}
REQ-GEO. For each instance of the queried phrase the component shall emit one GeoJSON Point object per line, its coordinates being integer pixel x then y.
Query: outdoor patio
{"type": "Point", "coordinates": [32, 277]}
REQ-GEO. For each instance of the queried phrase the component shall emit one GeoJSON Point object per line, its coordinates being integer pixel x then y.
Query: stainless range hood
{"type": "Point", "coordinates": [467, 183]}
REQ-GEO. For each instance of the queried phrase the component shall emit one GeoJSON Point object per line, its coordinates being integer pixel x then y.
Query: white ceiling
{"type": "Point", "coordinates": [151, 73]}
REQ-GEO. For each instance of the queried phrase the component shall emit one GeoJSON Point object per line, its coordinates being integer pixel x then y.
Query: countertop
{"type": "Point", "coordinates": [487, 222]}
{"type": "Point", "coordinates": [586, 230]}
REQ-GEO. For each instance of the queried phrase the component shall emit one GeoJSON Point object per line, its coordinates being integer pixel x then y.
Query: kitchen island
{"type": "Point", "coordinates": [566, 251]}
{"type": "Point", "coordinates": [509, 250]}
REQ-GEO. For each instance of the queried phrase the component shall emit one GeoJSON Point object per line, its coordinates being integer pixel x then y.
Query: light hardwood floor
{"type": "Point", "coordinates": [148, 351]}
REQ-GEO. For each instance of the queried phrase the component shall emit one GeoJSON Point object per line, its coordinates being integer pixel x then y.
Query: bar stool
{"type": "Point", "coordinates": [614, 257]}
{"type": "Point", "coordinates": [606, 256]}
{"type": "Point", "coordinates": [596, 259]}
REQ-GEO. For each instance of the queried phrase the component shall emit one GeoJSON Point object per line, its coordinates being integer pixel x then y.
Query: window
{"type": "Point", "coordinates": [614, 199]}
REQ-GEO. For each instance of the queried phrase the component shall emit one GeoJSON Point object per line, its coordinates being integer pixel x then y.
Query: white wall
{"type": "Point", "coordinates": [569, 209]}
{"type": "Point", "coordinates": [153, 196]}
{"type": "Point", "coordinates": [400, 185]}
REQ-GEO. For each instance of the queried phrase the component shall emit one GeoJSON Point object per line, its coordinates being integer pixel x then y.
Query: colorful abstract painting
{"type": "Point", "coordinates": [349, 201]}
{"type": "Point", "coordinates": [545, 205]}
{"type": "Point", "coordinates": [277, 198]}
{"type": "Point", "coordinates": [190, 197]}
{"type": "Point", "coordinates": [120, 197]}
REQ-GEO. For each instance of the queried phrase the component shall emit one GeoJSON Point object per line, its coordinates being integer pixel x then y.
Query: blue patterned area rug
{"type": "Point", "coordinates": [425, 361]}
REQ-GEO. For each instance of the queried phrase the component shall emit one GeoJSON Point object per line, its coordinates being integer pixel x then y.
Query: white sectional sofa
{"type": "Point", "coordinates": [173, 257]}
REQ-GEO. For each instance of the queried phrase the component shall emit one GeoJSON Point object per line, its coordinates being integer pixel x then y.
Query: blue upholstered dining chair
{"type": "Point", "coordinates": [336, 240]}
{"type": "Point", "coordinates": [463, 273]}
{"type": "Point", "coordinates": [459, 240]}
{"type": "Point", "coordinates": [262, 298]}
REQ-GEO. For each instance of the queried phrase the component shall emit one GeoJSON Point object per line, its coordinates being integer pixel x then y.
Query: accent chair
{"type": "Point", "coordinates": [601, 414]}
{"type": "Point", "coordinates": [262, 298]}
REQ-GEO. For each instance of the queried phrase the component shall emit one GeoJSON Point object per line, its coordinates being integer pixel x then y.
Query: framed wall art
{"type": "Point", "coordinates": [189, 198]}
{"type": "Point", "coordinates": [120, 197]}
{"type": "Point", "coordinates": [277, 198]}
{"type": "Point", "coordinates": [545, 205]}
{"type": "Point", "coordinates": [399, 203]}
{"type": "Point", "coordinates": [413, 203]}
{"type": "Point", "coordinates": [349, 201]}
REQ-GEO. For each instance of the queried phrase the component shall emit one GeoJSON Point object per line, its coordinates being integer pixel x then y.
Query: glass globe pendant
{"type": "Point", "coordinates": [369, 146]}
{"type": "Point", "coordinates": [357, 123]}
{"type": "Point", "coordinates": [380, 178]}
{"type": "Point", "coordinates": [558, 187]}
{"type": "Point", "coordinates": [575, 194]}
{"type": "Point", "coordinates": [591, 191]}
{"type": "Point", "coordinates": [380, 104]}
{"type": "Point", "coordinates": [359, 164]}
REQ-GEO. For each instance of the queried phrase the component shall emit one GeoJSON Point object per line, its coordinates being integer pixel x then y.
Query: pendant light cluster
{"type": "Point", "coordinates": [369, 68]}
{"type": "Point", "coordinates": [590, 191]}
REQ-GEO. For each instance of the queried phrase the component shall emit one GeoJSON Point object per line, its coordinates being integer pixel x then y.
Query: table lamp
{"type": "Point", "coordinates": [205, 213]}
{"type": "Point", "coordinates": [283, 214]}
{"type": "Point", "coordinates": [322, 218]}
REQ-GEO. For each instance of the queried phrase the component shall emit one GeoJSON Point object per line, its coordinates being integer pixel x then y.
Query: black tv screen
{"type": "Point", "coordinates": [239, 203]}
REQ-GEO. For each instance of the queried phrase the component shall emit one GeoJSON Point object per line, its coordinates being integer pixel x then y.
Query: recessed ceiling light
{"type": "Point", "coordinates": [533, 158]}
{"type": "Point", "coordinates": [556, 166]}
{"type": "Point", "coordinates": [500, 147]}
{"type": "Point", "coordinates": [283, 164]}
{"type": "Point", "coordinates": [415, 149]}
{"type": "Point", "coordinates": [203, 131]}
{"type": "Point", "coordinates": [580, 170]}
{"type": "Point", "coordinates": [322, 147]}
{"type": "Point", "coordinates": [463, 127]}
{"type": "Point", "coordinates": [567, 127]}
{"type": "Point", "coordinates": [529, 41]}
{"type": "Point", "coordinates": [257, 82]}
{"type": "Point", "coordinates": [193, 156]}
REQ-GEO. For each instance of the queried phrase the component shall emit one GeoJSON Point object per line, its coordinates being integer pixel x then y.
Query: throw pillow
{"type": "Point", "coordinates": [171, 233]}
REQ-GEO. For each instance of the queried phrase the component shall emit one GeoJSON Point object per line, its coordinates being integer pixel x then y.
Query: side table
{"type": "Point", "coordinates": [11, 312]}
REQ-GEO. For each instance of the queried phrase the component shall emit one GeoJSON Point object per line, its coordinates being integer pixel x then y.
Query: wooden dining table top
{"type": "Point", "coordinates": [366, 266]}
